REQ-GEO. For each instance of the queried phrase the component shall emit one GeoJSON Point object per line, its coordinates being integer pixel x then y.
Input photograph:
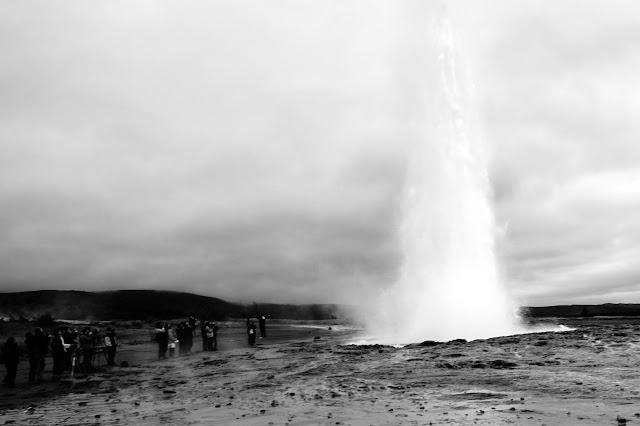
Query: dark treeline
{"type": "Point", "coordinates": [607, 309]}
{"type": "Point", "coordinates": [143, 305]}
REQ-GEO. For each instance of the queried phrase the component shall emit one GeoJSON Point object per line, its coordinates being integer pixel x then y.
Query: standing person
{"type": "Point", "coordinates": [29, 341]}
{"type": "Point", "coordinates": [192, 325]}
{"type": "Point", "coordinates": [44, 342]}
{"type": "Point", "coordinates": [173, 339]}
{"type": "Point", "coordinates": [251, 331]}
{"type": "Point", "coordinates": [10, 359]}
{"type": "Point", "coordinates": [162, 337]}
{"type": "Point", "coordinates": [181, 333]}
{"type": "Point", "coordinates": [111, 344]}
{"type": "Point", "coordinates": [86, 347]}
{"type": "Point", "coordinates": [214, 326]}
{"type": "Point", "coordinates": [262, 323]}
{"type": "Point", "coordinates": [69, 337]}
{"type": "Point", "coordinates": [208, 329]}
{"type": "Point", "coordinates": [59, 351]}
{"type": "Point", "coordinates": [203, 333]}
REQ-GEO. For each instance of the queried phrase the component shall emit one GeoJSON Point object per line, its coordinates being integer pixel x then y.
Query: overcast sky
{"type": "Point", "coordinates": [256, 151]}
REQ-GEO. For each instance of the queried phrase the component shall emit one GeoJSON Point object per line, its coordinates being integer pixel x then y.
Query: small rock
{"type": "Point", "coordinates": [263, 411]}
{"type": "Point", "coordinates": [621, 420]}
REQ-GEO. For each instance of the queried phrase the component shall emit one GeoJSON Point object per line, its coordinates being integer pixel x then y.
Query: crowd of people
{"type": "Point", "coordinates": [71, 350]}
{"type": "Point", "coordinates": [76, 351]}
{"type": "Point", "coordinates": [182, 336]}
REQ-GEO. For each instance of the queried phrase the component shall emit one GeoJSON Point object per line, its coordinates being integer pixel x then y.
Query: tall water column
{"type": "Point", "coordinates": [448, 285]}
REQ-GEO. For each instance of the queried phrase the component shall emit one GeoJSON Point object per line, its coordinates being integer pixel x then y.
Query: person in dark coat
{"type": "Point", "coordinates": [32, 354]}
{"type": "Point", "coordinates": [251, 332]}
{"type": "Point", "coordinates": [203, 334]}
{"type": "Point", "coordinates": [162, 337]}
{"type": "Point", "coordinates": [111, 344]}
{"type": "Point", "coordinates": [10, 359]}
{"type": "Point", "coordinates": [192, 325]}
{"type": "Point", "coordinates": [214, 326]}
{"type": "Point", "coordinates": [70, 338]}
{"type": "Point", "coordinates": [59, 351]}
{"type": "Point", "coordinates": [262, 323]}
{"type": "Point", "coordinates": [87, 349]}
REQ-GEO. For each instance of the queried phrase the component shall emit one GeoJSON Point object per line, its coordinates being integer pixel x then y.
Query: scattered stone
{"type": "Point", "coordinates": [274, 403]}
{"type": "Point", "coordinates": [501, 364]}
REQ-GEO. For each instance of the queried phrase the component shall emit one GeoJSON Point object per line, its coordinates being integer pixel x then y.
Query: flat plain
{"type": "Point", "coordinates": [307, 373]}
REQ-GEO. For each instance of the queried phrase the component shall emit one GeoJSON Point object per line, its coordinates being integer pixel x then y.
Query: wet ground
{"type": "Point", "coordinates": [308, 376]}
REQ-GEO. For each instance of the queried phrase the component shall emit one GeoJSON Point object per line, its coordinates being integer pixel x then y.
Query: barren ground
{"type": "Point", "coordinates": [309, 376]}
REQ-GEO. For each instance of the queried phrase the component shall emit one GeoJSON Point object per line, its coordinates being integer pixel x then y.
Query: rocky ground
{"type": "Point", "coordinates": [588, 376]}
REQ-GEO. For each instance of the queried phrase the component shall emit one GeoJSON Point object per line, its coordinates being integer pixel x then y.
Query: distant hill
{"type": "Point", "coordinates": [607, 309]}
{"type": "Point", "coordinates": [142, 305]}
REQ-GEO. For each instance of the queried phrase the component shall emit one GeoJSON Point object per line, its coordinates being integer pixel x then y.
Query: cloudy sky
{"type": "Point", "coordinates": [255, 150]}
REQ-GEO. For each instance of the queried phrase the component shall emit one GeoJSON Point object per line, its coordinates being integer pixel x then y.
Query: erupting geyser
{"type": "Point", "coordinates": [448, 285]}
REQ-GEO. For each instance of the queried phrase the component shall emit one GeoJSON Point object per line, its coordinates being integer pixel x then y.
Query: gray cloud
{"type": "Point", "coordinates": [254, 151]}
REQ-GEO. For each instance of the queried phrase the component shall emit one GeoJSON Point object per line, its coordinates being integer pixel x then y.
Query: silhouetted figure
{"type": "Point", "coordinates": [211, 331]}
{"type": "Point", "coordinates": [86, 344]}
{"type": "Point", "coordinates": [162, 337]}
{"type": "Point", "coordinates": [203, 334]}
{"type": "Point", "coordinates": [262, 323]}
{"type": "Point", "coordinates": [69, 337]}
{"type": "Point", "coordinates": [111, 344]}
{"type": "Point", "coordinates": [251, 331]}
{"type": "Point", "coordinates": [10, 359]}
{"type": "Point", "coordinates": [192, 325]}
{"type": "Point", "coordinates": [214, 326]}
{"type": "Point", "coordinates": [173, 339]}
{"type": "Point", "coordinates": [59, 351]}
{"type": "Point", "coordinates": [36, 350]}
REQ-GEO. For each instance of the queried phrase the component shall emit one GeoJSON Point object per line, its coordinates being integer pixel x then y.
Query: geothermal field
{"type": "Point", "coordinates": [299, 153]}
{"type": "Point", "coordinates": [308, 373]}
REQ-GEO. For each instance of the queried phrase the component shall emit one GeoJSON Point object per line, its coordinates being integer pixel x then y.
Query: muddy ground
{"type": "Point", "coordinates": [310, 376]}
